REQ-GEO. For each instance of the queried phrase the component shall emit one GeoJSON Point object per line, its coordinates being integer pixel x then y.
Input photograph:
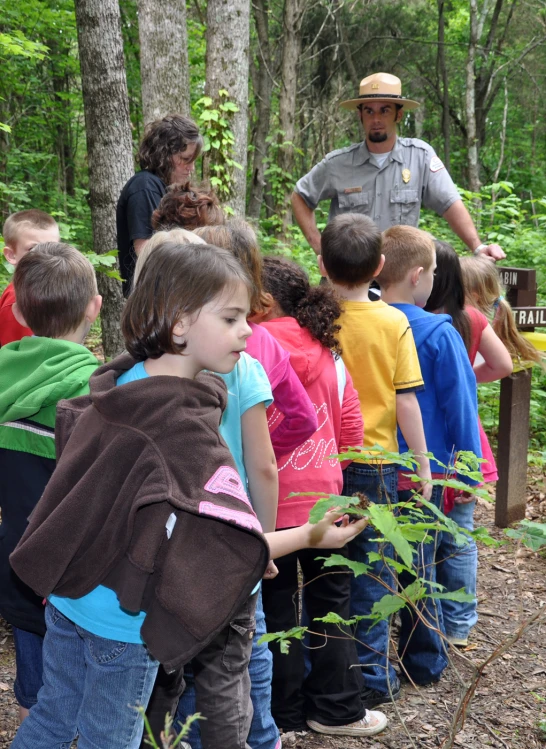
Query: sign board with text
{"type": "Point", "coordinates": [523, 279]}
{"type": "Point", "coordinates": [527, 317]}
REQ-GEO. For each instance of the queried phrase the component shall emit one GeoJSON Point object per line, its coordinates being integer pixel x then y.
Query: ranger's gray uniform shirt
{"type": "Point", "coordinates": [392, 194]}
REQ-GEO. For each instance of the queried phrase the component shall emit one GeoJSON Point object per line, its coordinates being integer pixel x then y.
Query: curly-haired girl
{"type": "Point", "coordinates": [303, 319]}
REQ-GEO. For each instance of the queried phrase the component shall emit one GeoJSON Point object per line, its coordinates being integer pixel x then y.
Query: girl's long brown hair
{"type": "Point", "coordinates": [484, 290]}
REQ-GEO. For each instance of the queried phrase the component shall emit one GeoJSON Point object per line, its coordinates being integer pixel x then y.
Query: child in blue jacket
{"type": "Point", "coordinates": [449, 409]}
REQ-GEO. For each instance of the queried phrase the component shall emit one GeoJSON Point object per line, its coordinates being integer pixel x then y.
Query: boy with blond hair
{"type": "Point", "coordinates": [450, 418]}
{"type": "Point", "coordinates": [57, 298]}
{"type": "Point", "coordinates": [22, 231]}
{"type": "Point", "coordinates": [379, 352]}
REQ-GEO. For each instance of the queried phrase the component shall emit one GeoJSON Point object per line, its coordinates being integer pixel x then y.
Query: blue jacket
{"type": "Point", "coordinates": [449, 401]}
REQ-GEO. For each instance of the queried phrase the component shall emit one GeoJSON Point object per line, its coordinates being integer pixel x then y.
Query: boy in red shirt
{"type": "Point", "coordinates": [22, 232]}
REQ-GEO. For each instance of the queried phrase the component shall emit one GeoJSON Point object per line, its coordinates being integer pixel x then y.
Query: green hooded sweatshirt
{"type": "Point", "coordinates": [35, 374]}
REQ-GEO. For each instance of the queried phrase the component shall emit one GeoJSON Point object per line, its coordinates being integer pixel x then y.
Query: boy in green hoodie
{"type": "Point", "coordinates": [57, 298]}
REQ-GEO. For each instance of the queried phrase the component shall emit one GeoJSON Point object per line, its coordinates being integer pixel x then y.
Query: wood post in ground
{"type": "Point", "coordinates": [515, 398]}
{"type": "Point", "coordinates": [515, 401]}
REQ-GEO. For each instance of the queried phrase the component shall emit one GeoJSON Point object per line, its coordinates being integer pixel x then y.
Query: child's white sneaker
{"type": "Point", "coordinates": [373, 722]}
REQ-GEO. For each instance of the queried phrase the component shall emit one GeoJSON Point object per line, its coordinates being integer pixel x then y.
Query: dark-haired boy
{"type": "Point", "coordinates": [379, 352]}
{"type": "Point", "coordinates": [22, 231]}
{"type": "Point", "coordinates": [450, 418]}
{"type": "Point", "coordinates": [57, 298]}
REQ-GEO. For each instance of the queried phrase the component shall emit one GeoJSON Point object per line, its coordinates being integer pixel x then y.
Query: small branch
{"type": "Point", "coordinates": [460, 715]}
{"type": "Point", "coordinates": [488, 728]}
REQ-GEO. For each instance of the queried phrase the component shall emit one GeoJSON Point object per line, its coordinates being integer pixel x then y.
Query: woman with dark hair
{"type": "Point", "coordinates": [186, 207]}
{"type": "Point", "coordinates": [167, 154]}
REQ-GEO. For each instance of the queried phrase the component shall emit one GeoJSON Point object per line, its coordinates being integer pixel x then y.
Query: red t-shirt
{"type": "Point", "coordinates": [478, 323]}
{"type": "Point", "coordinates": [10, 329]}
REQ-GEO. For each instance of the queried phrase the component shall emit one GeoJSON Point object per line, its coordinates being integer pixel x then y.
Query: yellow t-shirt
{"type": "Point", "coordinates": [379, 352]}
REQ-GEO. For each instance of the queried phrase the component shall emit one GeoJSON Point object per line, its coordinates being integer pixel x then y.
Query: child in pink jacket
{"type": "Point", "coordinates": [328, 700]}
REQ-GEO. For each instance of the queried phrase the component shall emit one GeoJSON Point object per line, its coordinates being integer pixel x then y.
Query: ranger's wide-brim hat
{"type": "Point", "coordinates": [380, 87]}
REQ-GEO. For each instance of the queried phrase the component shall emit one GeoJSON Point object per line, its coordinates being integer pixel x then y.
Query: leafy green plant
{"type": "Point", "coordinates": [280, 182]}
{"type": "Point", "coordinates": [214, 121]}
{"type": "Point", "coordinates": [401, 526]}
{"type": "Point", "coordinates": [530, 534]}
{"type": "Point", "coordinates": [169, 740]}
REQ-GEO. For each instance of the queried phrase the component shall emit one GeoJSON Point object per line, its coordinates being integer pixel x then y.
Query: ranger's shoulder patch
{"type": "Point", "coordinates": [436, 164]}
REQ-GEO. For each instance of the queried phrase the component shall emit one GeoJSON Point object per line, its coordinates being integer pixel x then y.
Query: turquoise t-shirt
{"type": "Point", "coordinates": [247, 385]}
{"type": "Point", "coordinates": [99, 612]}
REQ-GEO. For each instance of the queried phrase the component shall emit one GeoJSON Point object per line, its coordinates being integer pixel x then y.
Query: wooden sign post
{"type": "Point", "coordinates": [515, 401]}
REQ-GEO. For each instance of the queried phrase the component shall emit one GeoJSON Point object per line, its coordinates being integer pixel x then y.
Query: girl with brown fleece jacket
{"type": "Point", "coordinates": [144, 542]}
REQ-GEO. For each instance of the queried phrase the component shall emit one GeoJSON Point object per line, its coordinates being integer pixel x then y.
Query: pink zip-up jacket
{"type": "Point", "coordinates": [299, 418]}
{"type": "Point", "coordinates": [330, 388]}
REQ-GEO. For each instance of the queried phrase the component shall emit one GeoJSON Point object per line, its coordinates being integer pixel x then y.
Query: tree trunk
{"type": "Point", "coordinates": [164, 68]}
{"type": "Point", "coordinates": [109, 147]}
{"type": "Point", "coordinates": [228, 30]}
{"type": "Point", "coordinates": [263, 90]}
{"type": "Point", "coordinates": [342, 32]}
{"type": "Point", "coordinates": [470, 101]}
{"type": "Point", "coordinates": [292, 17]}
{"type": "Point", "coordinates": [442, 71]}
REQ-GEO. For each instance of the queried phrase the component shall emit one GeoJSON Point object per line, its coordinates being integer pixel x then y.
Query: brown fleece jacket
{"type": "Point", "coordinates": [146, 500]}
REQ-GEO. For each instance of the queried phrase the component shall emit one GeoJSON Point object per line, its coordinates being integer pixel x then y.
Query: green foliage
{"type": "Point", "coordinates": [17, 44]}
{"type": "Point", "coordinates": [329, 502]}
{"type": "Point", "coordinates": [293, 246]}
{"type": "Point", "coordinates": [384, 521]}
{"type": "Point", "coordinates": [530, 534]}
{"type": "Point", "coordinates": [214, 121]}
{"type": "Point", "coordinates": [283, 638]}
{"type": "Point", "coordinates": [170, 741]}
{"type": "Point", "coordinates": [280, 182]}
{"type": "Point", "coordinates": [104, 263]}
{"type": "Point", "coordinates": [338, 560]}
{"type": "Point", "coordinates": [503, 216]}
{"type": "Point", "coordinates": [403, 526]}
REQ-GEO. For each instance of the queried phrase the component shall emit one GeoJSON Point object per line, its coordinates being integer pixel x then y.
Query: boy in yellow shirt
{"type": "Point", "coordinates": [380, 354]}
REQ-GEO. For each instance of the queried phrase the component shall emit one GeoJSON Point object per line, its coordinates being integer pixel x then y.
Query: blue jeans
{"type": "Point", "coordinates": [379, 484]}
{"type": "Point", "coordinates": [263, 731]}
{"type": "Point", "coordinates": [457, 567]}
{"type": "Point", "coordinates": [91, 687]}
{"type": "Point", "coordinates": [421, 649]}
{"type": "Point", "coordinates": [28, 661]}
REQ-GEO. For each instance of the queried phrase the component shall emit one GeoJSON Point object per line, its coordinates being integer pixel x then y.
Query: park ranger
{"type": "Point", "coordinates": [385, 177]}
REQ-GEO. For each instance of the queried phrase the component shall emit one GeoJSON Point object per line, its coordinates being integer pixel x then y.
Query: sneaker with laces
{"type": "Point", "coordinates": [373, 722]}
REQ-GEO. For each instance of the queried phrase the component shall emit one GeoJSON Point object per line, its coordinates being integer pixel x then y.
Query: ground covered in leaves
{"type": "Point", "coordinates": [510, 698]}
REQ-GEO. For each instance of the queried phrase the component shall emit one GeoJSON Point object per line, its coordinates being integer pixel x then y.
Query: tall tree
{"type": "Point", "coordinates": [227, 69]}
{"type": "Point", "coordinates": [476, 27]}
{"type": "Point", "coordinates": [164, 68]}
{"type": "Point", "coordinates": [262, 80]}
{"type": "Point", "coordinates": [109, 146]}
{"type": "Point", "coordinates": [291, 50]}
{"type": "Point", "coordinates": [442, 74]}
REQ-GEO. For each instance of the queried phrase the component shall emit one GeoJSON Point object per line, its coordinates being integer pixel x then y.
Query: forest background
{"type": "Point", "coordinates": [263, 78]}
